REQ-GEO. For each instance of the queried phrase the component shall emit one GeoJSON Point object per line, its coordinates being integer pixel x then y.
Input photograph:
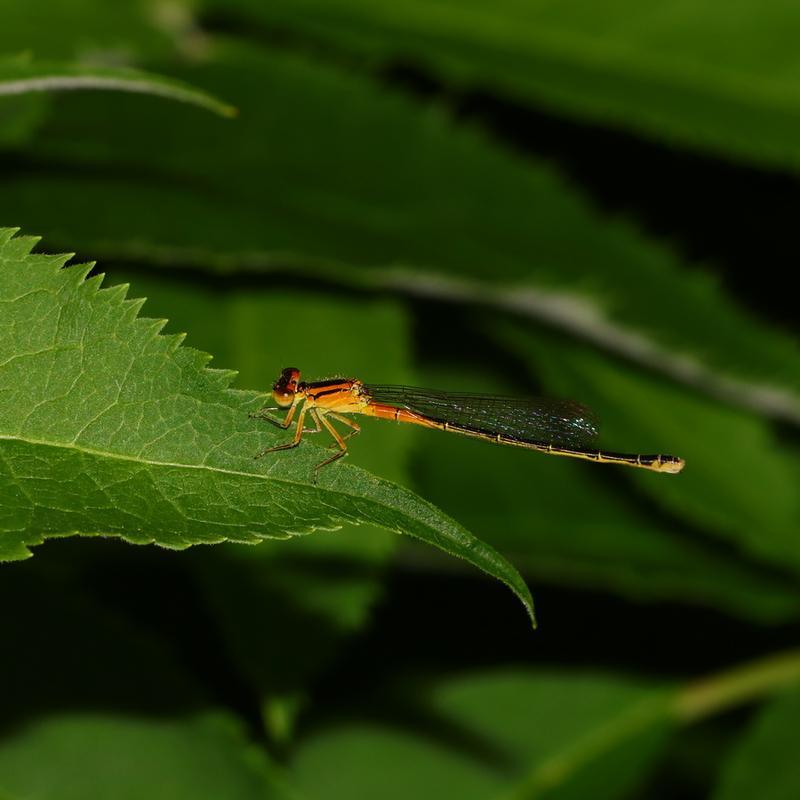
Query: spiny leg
{"type": "Point", "coordinates": [298, 434]}
{"type": "Point", "coordinates": [339, 441]}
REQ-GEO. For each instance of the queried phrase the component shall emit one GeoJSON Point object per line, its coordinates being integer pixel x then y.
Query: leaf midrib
{"type": "Point", "coordinates": [335, 513]}
{"type": "Point", "coordinates": [154, 463]}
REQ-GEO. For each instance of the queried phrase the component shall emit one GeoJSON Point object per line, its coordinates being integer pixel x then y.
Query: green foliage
{"type": "Point", "coordinates": [415, 193]}
{"type": "Point", "coordinates": [742, 485]}
{"type": "Point", "coordinates": [21, 76]}
{"type": "Point", "coordinates": [618, 536]}
{"type": "Point", "coordinates": [682, 71]}
{"type": "Point", "coordinates": [482, 741]}
{"type": "Point", "coordinates": [326, 584]}
{"type": "Point", "coordinates": [764, 763]}
{"type": "Point", "coordinates": [276, 200]}
{"type": "Point", "coordinates": [90, 30]}
{"type": "Point", "coordinates": [130, 758]}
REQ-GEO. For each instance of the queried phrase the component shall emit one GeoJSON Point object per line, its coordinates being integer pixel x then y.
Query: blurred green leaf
{"type": "Point", "coordinates": [82, 756]}
{"type": "Point", "coordinates": [581, 524]}
{"type": "Point", "coordinates": [739, 482]}
{"type": "Point", "coordinates": [327, 174]}
{"type": "Point", "coordinates": [477, 736]}
{"type": "Point", "coordinates": [116, 705]}
{"type": "Point", "coordinates": [132, 436]}
{"type": "Point", "coordinates": [518, 733]}
{"type": "Point", "coordinates": [21, 76]}
{"type": "Point", "coordinates": [92, 30]}
{"type": "Point", "coordinates": [19, 116]}
{"type": "Point", "coordinates": [764, 763]}
{"type": "Point", "coordinates": [679, 71]}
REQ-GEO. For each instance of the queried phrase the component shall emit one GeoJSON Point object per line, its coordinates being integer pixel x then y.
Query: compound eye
{"type": "Point", "coordinates": [282, 397]}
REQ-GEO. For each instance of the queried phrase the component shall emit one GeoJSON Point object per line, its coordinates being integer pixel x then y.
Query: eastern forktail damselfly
{"type": "Point", "coordinates": [555, 427]}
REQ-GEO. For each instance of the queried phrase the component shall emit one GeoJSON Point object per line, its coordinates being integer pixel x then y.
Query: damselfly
{"type": "Point", "coordinates": [555, 427]}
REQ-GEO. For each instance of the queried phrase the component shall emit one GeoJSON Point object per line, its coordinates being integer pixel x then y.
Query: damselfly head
{"type": "Point", "coordinates": [285, 388]}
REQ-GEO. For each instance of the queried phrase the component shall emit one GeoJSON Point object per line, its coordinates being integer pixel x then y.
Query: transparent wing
{"type": "Point", "coordinates": [559, 422]}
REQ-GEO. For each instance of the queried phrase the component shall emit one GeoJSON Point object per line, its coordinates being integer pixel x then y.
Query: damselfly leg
{"type": "Point", "coordinates": [298, 435]}
{"type": "Point", "coordinates": [318, 416]}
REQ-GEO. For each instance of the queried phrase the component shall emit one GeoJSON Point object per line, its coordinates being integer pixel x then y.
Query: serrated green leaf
{"type": "Point", "coordinates": [83, 756]}
{"type": "Point", "coordinates": [362, 181]}
{"type": "Point", "coordinates": [677, 71]}
{"type": "Point", "coordinates": [21, 76]}
{"type": "Point", "coordinates": [107, 427]}
{"type": "Point", "coordinates": [764, 763]}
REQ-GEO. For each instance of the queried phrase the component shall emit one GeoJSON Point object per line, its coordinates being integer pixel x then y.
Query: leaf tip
{"type": "Point", "coordinates": [7, 234]}
{"type": "Point", "coordinates": [524, 595]}
{"type": "Point", "coordinates": [175, 340]}
{"type": "Point", "coordinates": [78, 271]}
{"type": "Point", "coordinates": [92, 285]}
{"type": "Point", "coordinates": [222, 377]}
